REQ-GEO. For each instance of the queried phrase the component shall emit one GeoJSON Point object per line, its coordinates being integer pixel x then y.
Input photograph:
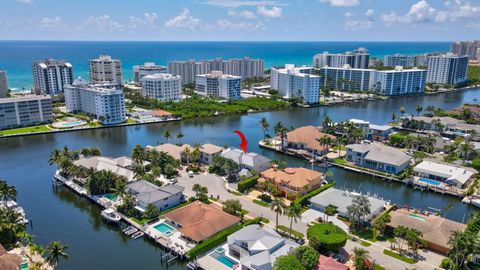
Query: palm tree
{"type": "Point", "coordinates": [278, 206]}
{"type": "Point", "coordinates": [55, 251]}
{"type": "Point", "coordinates": [402, 110]}
{"type": "Point", "coordinates": [180, 136]}
{"type": "Point", "coordinates": [294, 213]}
{"type": "Point", "coordinates": [466, 148]}
{"type": "Point", "coordinates": [462, 244]}
{"type": "Point", "coordinates": [358, 210]}
{"type": "Point", "coordinates": [95, 151]}
{"type": "Point", "coordinates": [278, 128]}
{"type": "Point", "coordinates": [265, 127]}
{"type": "Point", "coordinates": [419, 109]}
{"type": "Point", "coordinates": [7, 192]}
{"type": "Point", "coordinates": [54, 157]}
{"type": "Point", "coordinates": [120, 189]}
{"type": "Point", "coordinates": [326, 141]}
{"type": "Point", "coordinates": [167, 135]}
{"type": "Point", "coordinates": [394, 116]}
{"type": "Point", "coordinates": [327, 124]}
{"type": "Point", "coordinates": [138, 154]}
{"type": "Point", "coordinates": [360, 255]}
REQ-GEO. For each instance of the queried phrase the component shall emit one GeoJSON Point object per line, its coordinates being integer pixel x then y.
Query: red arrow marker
{"type": "Point", "coordinates": [244, 143]}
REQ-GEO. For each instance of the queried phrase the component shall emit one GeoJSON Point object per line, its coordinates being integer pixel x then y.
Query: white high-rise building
{"type": "Point", "coordinates": [105, 104]}
{"type": "Point", "coordinates": [162, 86]}
{"type": "Point", "coordinates": [217, 84]}
{"type": "Point", "coordinates": [50, 76]}
{"type": "Point", "coordinates": [400, 81]}
{"type": "Point", "coordinates": [469, 48]}
{"type": "Point", "coordinates": [347, 78]}
{"type": "Point", "coordinates": [447, 69]}
{"type": "Point", "coordinates": [25, 111]}
{"type": "Point", "coordinates": [297, 82]}
{"type": "Point", "coordinates": [399, 60]}
{"type": "Point", "coordinates": [148, 68]}
{"type": "Point", "coordinates": [356, 59]}
{"type": "Point", "coordinates": [104, 69]}
{"type": "Point", "coordinates": [3, 84]}
{"type": "Point", "coordinates": [245, 67]}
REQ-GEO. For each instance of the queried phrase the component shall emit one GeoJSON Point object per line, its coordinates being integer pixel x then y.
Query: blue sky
{"type": "Point", "coordinates": [295, 20]}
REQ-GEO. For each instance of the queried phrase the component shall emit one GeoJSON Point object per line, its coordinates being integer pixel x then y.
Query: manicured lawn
{"type": "Point", "coordinates": [262, 203]}
{"type": "Point", "coordinates": [41, 128]}
{"type": "Point", "coordinates": [398, 256]}
{"type": "Point", "coordinates": [365, 244]}
{"type": "Point", "coordinates": [340, 161]}
{"type": "Point", "coordinates": [378, 267]}
{"type": "Point", "coordinates": [367, 234]}
{"type": "Point", "coordinates": [140, 221]}
{"type": "Point", "coordinates": [264, 220]}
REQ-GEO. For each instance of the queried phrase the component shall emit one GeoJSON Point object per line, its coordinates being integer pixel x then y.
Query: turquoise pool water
{"type": "Point", "coordinates": [230, 263]}
{"type": "Point", "coordinates": [430, 182]}
{"type": "Point", "coordinates": [72, 124]}
{"type": "Point", "coordinates": [112, 197]}
{"type": "Point", "coordinates": [164, 228]}
{"type": "Point", "coordinates": [417, 217]}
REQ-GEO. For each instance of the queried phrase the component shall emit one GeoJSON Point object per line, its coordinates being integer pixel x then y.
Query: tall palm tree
{"type": "Point", "coordinates": [55, 251]}
{"type": "Point", "coordinates": [277, 206]}
{"type": "Point", "coordinates": [402, 110]}
{"type": "Point", "coordinates": [167, 135]}
{"type": "Point", "coordinates": [138, 154]}
{"type": "Point", "coordinates": [294, 213]}
{"type": "Point", "coordinates": [54, 157]}
{"type": "Point", "coordinates": [394, 116]}
{"type": "Point", "coordinates": [326, 141]}
{"type": "Point", "coordinates": [419, 109]}
{"type": "Point", "coordinates": [120, 189]}
{"type": "Point", "coordinates": [327, 124]}
{"type": "Point", "coordinates": [360, 255]}
{"type": "Point", "coordinates": [7, 192]}
{"type": "Point", "coordinates": [179, 137]}
{"type": "Point", "coordinates": [265, 127]}
{"type": "Point", "coordinates": [278, 129]}
{"type": "Point", "coordinates": [466, 148]}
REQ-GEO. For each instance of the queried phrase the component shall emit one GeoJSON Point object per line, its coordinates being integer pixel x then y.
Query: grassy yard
{"type": "Point", "coordinates": [140, 221]}
{"type": "Point", "coordinates": [261, 203]}
{"type": "Point", "coordinates": [14, 131]}
{"type": "Point", "coordinates": [367, 234]}
{"type": "Point", "coordinates": [398, 256]}
{"type": "Point", "coordinates": [378, 267]}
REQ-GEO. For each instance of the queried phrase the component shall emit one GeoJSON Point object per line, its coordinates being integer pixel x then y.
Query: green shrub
{"type": "Point", "coordinates": [265, 197]}
{"type": "Point", "coordinates": [445, 264]}
{"type": "Point", "coordinates": [303, 200]}
{"type": "Point", "coordinates": [398, 256]}
{"type": "Point", "coordinates": [261, 203]}
{"type": "Point", "coordinates": [326, 237]}
{"type": "Point", "coordinates": [287, 262]}
{"type": "Point", "coordinates": [287, 231]}
{"type": "Point", "coordinates": [247, 184]}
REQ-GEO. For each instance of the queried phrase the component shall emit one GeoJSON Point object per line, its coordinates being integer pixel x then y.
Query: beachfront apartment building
{"type": "Point", "coordinates": [25, 111]}
{"type": "Point", "coordinates": [245, 67]}
{"type": "Point", "coordinates": [347, 78]}
{"type": "Point", "coordinates": [219, 85]}
{"type": "Point", "coordinates": [356, 59]}
{"type": "Point", "coordinates": [148, 68]}
{"type": "Point", "coordinates": [399, 60]}
{"type": "Point", "coordinates": [104, 69]}
{"type": "Point", "coordinates": [468, 48]}
{"type": "Point", "coordinates": [3, 84]}
{"type": "Point", "coordinates": [105, 104]}
{"type": "Point", "coordinates": [400, 81]}
{"type": "Point", "coordinates": [50, 76]}
{"type": "Point", "coordinates": [378, 157]}
{"type": "Point", "coordinates": [296, 82]}
{"type": "Point", "coordinates": [447, 69]}
{"type": "Point", "coordinates": [162, 86]}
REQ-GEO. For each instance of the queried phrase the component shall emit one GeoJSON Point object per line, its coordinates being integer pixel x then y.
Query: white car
{"type": "Point", "coordinates": [190, 174]}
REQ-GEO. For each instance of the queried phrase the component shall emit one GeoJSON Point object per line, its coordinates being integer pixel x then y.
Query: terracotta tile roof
{"type": "Point", "coordinates": [200, 221]}
{"type": "Point", "coordinates": [294, 177]}
{"type": "Point", "coordinates": [160, 113]}
{"type": "Point", "coordinates": [329, 263]}
{"type": "Point", "coordinates": [308, 136]}
{"type": "Point", "coordinates": [171, 149]}
{"type": "Point", "coordinates": [435, 229]}
{"type": "Point", "coordinates": [9, 261]}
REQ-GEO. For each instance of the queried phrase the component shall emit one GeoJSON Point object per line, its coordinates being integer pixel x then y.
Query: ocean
{"type": "Point", "coordinates": [16, 57]}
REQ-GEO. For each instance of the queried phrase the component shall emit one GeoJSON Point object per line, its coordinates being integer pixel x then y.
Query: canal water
{"type": "Point", "coordinates": [62, 215]}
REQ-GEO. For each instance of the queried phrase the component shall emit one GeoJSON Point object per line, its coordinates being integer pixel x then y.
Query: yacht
{"type": "Point", "coordinates": [110, 215]}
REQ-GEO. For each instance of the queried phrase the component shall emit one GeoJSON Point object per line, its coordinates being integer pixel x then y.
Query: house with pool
{"type": "Point", "coordinates": [121, 166]}
{"type": "Point", "coordinates": [252, 248]}
{"type": "Point", "coordinates": [437, 174]}
{"type": "Point", "coordinates": [163, 198]}
{"type": "Point", "coordinates": [378, 157]}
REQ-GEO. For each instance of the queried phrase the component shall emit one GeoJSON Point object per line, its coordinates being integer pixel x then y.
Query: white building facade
{"type": "Point", "coordinates": [3, 84]}
{"type": "Point", "coordinates": [148, 68]}
{"type": "Point", "coordinates": [447, 69]}
{"type": "Point", "coordinates": [356, 59]}
{"type": "Point", "coordinates": [50, 76]}
{"type": "Point", "coordinates": [104, 69]}
{"type": "Point", "coordinates": [105, 104]}
{"type": "Point", "coordinates": [399, 60]}
{"type": "Point", "coordinates": [162, 86]}
{"type": "Point", "coordinates": [297, 82]}
{"type": "Point", "coordinates": [25, 111]}
{"type": "Point", "coordinates": [347, 78]}
{"type": "Point", "coordinates": [400, 81]}
{"type": "Point", "coordinates": [217, 84]}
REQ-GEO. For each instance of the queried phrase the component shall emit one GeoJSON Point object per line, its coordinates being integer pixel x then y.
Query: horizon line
{"type": "Point", "coordinates": [245, 41]}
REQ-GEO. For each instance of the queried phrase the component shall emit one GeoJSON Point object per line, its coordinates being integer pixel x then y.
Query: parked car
{"type": "Point", "coordinates": [173, 181]}
{"type": "Point", "coordinates": [190, 174]}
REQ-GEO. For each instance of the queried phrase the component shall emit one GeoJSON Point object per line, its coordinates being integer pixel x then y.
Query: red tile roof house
{"type": "Point", "coordinates": [198, 221]}
{"type": "Point", "coordinates": [304, 139]}
{"type": "Point", "coordinates": [329, 263]}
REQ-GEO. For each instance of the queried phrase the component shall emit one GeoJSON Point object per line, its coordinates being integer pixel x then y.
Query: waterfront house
{"type": "Point", "coordinates": [329, 263]}
{"type": "Point", "coordinates": [372, 132]}
{"type": "Point", "coordinates": [436, 230]}
{"type": "Point", "coordinates": [121, 166]}
{"type": "Point", "coordinates": [258, 247]}
{"type": "Point", "coordinates": [177, 152]}
{"type": "Point", "coordinates": [463, 130]}
{"type": "Point", "coordinates": [162, 197]}
{"type": "Point", "coordinates": [340, 200]}
{"type": "Point", "coordinates": [378, 157]}
{"type": "Point", "coordinates": [198, 221]}
{"type": "Point", "coordinates": [435, 123]}
{"type": "Point", "coordinates": [9, 261]}
{"type": "Point", "coordinates": [292, 181]}
{"type": "Point", "coordinates": [208, 152]}
{"type": "Point", "coordinates": [251, 161]}
{"type": "Point", "coordinates": [304, 141]}
{"type": "Point", "coordinates": [434, 173]}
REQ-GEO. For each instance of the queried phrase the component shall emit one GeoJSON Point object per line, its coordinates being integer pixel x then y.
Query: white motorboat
{"type": "Point", "coordinates": [110, 215]}
{"type": "Point", "coordinates": [137, 235]}
{"type": "Point", "coordinates": [131, 231]}
{"type": "Point", "coordinates": [475, 202]}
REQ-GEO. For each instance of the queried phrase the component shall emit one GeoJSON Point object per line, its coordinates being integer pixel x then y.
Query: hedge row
{"type": "Point", "coordinates": [287, 231]}
{"type": "Point", "coordinates": [302, 200]}
{"type": "Point", "coordinates": [247, 184]}
{"type": "Point", "coordinates": [218, 238]}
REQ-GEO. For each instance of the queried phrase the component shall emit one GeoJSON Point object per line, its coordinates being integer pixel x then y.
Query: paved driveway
{"type": "Point", "coordinates": [216, 187]}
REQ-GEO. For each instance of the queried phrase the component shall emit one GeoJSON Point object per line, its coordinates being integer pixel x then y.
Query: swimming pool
{"type": "Point", "coordinates": [417, 217]}
{"type": "Point", "coordinates": [430, 182]}
{"type": "Point", "coordinates": [164, 228]}
{"type": "Point", "coordinates": [228, 262]}
{"type": "Point", "coordinates": [110, 196]}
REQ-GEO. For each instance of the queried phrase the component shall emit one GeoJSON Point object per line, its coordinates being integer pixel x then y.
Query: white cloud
{"type": "Point", "coordinates": [370, 13]}
{"type": "Point", "coordinates": [224, 24]}
{"type": "Point", "coordinates": [52, 23]}
{"type": "Point", "coordinates": [103, 23]}
{"type": "Point", "coordinates": [358, 25]}
{"type": "Point", "coordinates": [25, 1]}
{"type": "Point", "coordinates": [243, 13]}
{"type": "Point", "coordinates": [419, 12]}
{"type": "Point", "coordinates": [341, 3]}
{"type": "Point", "coordinates": [348, 14]}
{"type": "Point", "coordinates": [184, 20]}
{"type": "Point", "coordinates": [458, 10]}
{"type": "Point", "coordinates": [241, 3]}
{"type": "Point", "coordinates": [148, 20]}
{"type": "Point", "coordinates": [274, 12]}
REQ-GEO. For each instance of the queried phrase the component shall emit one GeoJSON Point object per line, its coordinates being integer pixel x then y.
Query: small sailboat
{"type": "Point", "coordinates": [110, 215]}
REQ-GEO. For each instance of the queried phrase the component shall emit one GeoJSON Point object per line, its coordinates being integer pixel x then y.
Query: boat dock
{"type": "Point", "coordinates": [172, 253]}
